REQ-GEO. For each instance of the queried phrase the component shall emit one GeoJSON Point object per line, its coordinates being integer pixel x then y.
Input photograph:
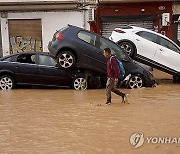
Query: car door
{"type": "Point", "coordinates": [146, 44]}
{"type": "Point", "coordinates": [49, 73]}
{"type": "Point", "coordinates": [168, 54]}
{"type": "Point", "coordinates": [115, 50]}
{"type": "Point", "coordinates": [25, 68]}
{"type": "Point", "coordinates": [90, 55]}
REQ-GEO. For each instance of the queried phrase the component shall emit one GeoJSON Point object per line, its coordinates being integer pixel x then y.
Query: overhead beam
{"type": "Point", "coordinates": [37, 6]}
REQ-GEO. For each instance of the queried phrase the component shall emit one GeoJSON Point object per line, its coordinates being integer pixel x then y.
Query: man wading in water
{"type": "Point", "coordinates": [112, 77]}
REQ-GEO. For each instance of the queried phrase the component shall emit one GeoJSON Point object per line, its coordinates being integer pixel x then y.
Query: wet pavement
{"type": "Point", "coordinates": [77, 122]}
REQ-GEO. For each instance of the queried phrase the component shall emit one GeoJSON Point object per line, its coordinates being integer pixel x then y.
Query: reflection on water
{"type": "Point", "coordinates": [69, 121]}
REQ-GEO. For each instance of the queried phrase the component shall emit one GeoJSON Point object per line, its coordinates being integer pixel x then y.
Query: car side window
{"type": "Point", "coordinates": [26, 58]}
{"type": "Point", "coordinates": [87, 37]}
{"type": "Point", "coordinates": [165, 43]}
{"type": "Point", "coordinates": [47, 60]}
{"type": "Point", "coordinates": [115, 49]}
{"type": "Point", "coordinates": [148, 36]}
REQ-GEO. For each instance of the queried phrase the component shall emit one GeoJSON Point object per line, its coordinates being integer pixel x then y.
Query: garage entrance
{"type": "Point", "coordinates": [25, 35]}
{"type": "Point", "coordinates": [109, 24]}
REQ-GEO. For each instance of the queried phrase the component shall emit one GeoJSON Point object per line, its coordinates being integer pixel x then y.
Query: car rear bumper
{"type": "Point", "coordinates": [53, 52]}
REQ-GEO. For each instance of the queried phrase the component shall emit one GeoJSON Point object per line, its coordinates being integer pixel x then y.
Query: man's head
{"type": "Point", "coordinates": [107, 52]}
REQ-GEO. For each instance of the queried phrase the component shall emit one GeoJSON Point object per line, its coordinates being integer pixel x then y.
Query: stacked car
{"type": "Point", "coordinates": [150, 48]}
{"type": "Point", "coordinates": [74, 47]}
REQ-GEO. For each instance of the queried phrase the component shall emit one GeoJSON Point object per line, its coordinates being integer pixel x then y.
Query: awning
{"type": "Point", "coordinates": [38, 5]}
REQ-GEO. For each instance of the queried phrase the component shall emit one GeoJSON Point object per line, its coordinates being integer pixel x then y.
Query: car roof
{"type": "Point", "coordinates": [32, 52]}
{"type": "Point", "coordinates": [20, 53]}
{"type": "Point", "coordinates": [132, 28]}
{"type": "Point", "coordinates": [148, 30]}
{"type": "Point", "coordinates": [82, 29]}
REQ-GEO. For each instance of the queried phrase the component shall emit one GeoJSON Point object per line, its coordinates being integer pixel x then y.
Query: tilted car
{"type": "Point", "coordinates": [40, 69]}
{"type": "Point", "coordinates": [74, 47]}
{"type": "Point", "coordinates": [149, 47]}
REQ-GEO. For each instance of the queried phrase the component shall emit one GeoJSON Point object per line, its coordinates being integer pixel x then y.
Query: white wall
{"type": "Point", "coordinates": [5, 36]}
{"type": "Point", "coordinates": [51, 21]}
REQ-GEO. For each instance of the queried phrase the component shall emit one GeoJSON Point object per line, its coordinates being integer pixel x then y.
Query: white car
{"type": "Point", "coordinates": [150, 48]}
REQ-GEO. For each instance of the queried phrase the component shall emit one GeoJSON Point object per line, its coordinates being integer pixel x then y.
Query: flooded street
{"type": "Point", "coordinates": [77, 122]}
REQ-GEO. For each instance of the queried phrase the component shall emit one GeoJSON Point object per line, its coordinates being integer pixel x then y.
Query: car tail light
{"type": "Point", "coordinates": [58, 36]}
{"type": "Point", "coordinates": [119, 31]}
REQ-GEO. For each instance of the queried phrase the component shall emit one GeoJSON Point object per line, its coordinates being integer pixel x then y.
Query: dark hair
{"type": "Point", "coordinates": [108, 50]}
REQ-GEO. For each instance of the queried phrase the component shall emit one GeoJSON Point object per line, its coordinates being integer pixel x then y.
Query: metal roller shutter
{"type": "Point", "coordinates": [108, 27]}
{"type": "Point", "coordinates": [178, 32]}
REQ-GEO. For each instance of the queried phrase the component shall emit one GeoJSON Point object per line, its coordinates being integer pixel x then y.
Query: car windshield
{"type": "Point", "coordinates": [8, 59]}
{"type": "Point", "coordinates": [115, 49]}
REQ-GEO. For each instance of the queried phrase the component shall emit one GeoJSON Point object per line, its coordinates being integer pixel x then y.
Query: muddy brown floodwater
{"type": "Point", "coordinates": [64, 121]}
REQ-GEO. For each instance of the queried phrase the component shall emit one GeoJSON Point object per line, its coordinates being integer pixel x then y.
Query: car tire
{"type": "Point", "coordinates": [176, 79]}
{"type": "Point", "coordinates": [7, 82]}
{"type": "Point", "coordinates": [94, 82]}
{"type": "Point", "coordinates": [66, 60]}
{"type": "Point", "coordinates": [135, 81]}
{"type": "Point", "coordinates": [79, 83]}
{"type": "Point", "coordinates": [128, 47]}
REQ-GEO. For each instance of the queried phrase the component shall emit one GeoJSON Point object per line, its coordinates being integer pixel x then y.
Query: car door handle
{"type": "Point", "coordinates": [99, 52]}
{"type": "Point", "coordinates": [137, 40]}
{"type": "Point", "coordinates": [41, 71]}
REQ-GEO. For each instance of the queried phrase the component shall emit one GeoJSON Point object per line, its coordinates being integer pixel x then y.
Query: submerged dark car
{"type": "Point", "coordinates": [74, 47]}
{"type": "Point", "coordinates": [40, 69]}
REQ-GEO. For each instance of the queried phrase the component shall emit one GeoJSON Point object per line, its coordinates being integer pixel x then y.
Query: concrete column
{"type": "Point", "coordinates": [5, 36]}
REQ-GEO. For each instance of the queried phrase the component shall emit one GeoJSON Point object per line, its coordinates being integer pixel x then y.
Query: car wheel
{"type": "Point", "coordinates": [80, 83]}
{"type": "Point", "coordinates": [176, 78]}
{"type": "Point", "coordinates": [136, 81]}
{"type": "Point", "coordinates": [66, 60]}
{"type": "Point", "coordinates": [94, 82]}
{"type": "Point", "coordinates": [6, 82]}
{"type": "Point", "coordinates": [128, 47]}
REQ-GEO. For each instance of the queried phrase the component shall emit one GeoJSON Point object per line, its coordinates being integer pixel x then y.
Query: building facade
{"type": "Point", "coordinates": [29, 26]}
{"type": "Point", "coordinates": [155, 15]}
